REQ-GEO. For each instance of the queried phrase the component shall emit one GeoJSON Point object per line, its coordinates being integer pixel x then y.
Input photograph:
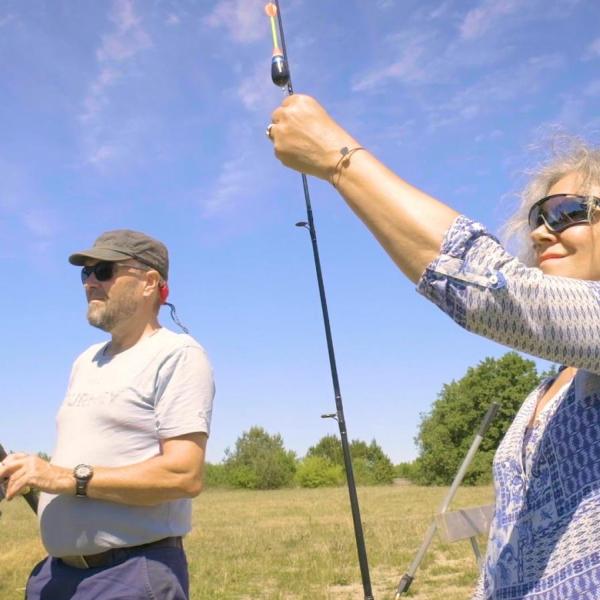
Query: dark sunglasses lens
{"type": "Point", "coordinates": [103, 271]}
{"type": "Point", "coordinates": [563, 212]}
{"type": "Point", "coordinates": [559, 212]}
{"type": "Point", "coordinates": [535, 218]}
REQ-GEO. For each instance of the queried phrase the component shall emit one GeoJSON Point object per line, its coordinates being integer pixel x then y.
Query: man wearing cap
{"type": "Point", "coordinates": [131, 438]}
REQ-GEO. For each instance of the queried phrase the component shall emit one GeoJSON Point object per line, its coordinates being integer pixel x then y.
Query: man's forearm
{"type": "Point", "coordinates": [144, 484]}
{"type": "Point", "coordinates": [175, 473]}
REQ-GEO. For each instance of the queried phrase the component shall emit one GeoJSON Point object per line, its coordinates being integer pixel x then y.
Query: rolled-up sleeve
{"type": "Point", "coordinates": [491, 293]}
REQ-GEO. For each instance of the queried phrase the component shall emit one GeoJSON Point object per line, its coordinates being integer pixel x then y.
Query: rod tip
{"type": "Point", "coordinates": [271, 9]}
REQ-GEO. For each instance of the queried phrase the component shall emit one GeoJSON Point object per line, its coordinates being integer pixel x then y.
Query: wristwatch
{"type": "Point", "coordinates": [82, 474]}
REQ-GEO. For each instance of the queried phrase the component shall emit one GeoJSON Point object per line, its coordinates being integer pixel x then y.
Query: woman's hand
{"type": "Point", "coordinates": [306, 138]}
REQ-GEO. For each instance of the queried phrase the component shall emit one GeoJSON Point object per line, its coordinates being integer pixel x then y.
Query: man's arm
{"type": "Point", "coordinates": [175, 473]}
{"type": "Point", "coordinates": [408, 223]}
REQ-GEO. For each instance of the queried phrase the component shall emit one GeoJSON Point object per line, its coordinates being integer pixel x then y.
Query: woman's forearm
{"type": "Point", "coordinates": [408, 223]}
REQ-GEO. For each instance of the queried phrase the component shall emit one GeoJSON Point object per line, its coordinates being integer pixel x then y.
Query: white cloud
{"type": "Point", "coordinates": [173, 19]}
{"type": "Point", "coordinates": [593, 50]}
{"type": "Point", "coordinates": [243, 178]}
{"type": "Point", "coordinates": [24, 211]}
{"type": "Point", "coordinates": [494, 134]}
{"type": "Point", "coordinates": [5, 20]}
{"type": "Point", "coordinates": [257, 92]}
{"type": "Point", "coordinates": [117, 50]}
{"type": "Point", "coordinates": [229, 187]}
{"type": "Point", "coordinates": [481, 19]}
{"type": "Point", "coordinates": [497, 88]}
{"type": "Point", "coordinates": [592, 88]}
{"type": "Point", "coordinates": [129, 37]}
{"type": "Point", "coordinates": [97, 97]}
{"type": "Point", "coordinates": [410, 68]}
{"type": "Point", "coordinates": [439, 11]}
{"type": "Point", "coordinates": [571, 112]}
{"type": "Point", "coordinates": [245, 20]}
{"type": "Point", "coordinates": [41, 222]}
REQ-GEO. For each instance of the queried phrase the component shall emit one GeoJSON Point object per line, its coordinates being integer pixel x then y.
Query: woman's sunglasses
{"type": "Point", "coordinates": [104, 271]}
{"type": "Point", "coordinates": [560, 211]}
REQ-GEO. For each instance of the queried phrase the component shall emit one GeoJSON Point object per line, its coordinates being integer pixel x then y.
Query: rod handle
{"type": "Point", "coordinates": [403, 585]}
{"type": "Point", "coordinates": [30, 497]}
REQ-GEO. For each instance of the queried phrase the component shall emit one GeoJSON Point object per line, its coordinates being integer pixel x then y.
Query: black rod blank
{"type": "Point", "coordinates": [358, 530]}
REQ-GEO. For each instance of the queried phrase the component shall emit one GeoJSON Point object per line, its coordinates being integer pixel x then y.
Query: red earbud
{"type": "Point", "coordinates": [163, 290]}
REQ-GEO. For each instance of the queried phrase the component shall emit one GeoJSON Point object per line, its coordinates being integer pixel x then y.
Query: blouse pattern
{"type": "Point", "coordinates": [544, 541]}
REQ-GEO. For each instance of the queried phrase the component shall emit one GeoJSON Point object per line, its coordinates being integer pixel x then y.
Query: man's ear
{"type": "Point", "coordinates": [153, 279]}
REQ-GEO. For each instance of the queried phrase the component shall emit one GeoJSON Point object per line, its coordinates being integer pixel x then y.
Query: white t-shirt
{"type": "Point", "coordinates": [115, 411]}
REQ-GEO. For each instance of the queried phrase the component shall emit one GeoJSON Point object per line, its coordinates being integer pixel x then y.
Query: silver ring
{"type": "Point", "coordinates": [268, 131]}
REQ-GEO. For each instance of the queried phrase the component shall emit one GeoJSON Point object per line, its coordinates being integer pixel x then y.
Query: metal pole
{"type": "Point", "coordinates": [408, 577]}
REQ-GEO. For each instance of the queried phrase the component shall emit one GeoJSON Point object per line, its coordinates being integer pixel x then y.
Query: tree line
{"type": "Point", "coordinates": [259, 460]}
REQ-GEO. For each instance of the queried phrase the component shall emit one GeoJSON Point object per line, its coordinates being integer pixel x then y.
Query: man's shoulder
{"type": "Point", "coordinates": [170, 340]}
{"type": "Point", "coordinates": [170, 344]}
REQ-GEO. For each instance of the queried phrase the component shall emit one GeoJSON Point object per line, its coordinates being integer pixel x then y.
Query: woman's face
{"type": "Point", "coordinates": [574, 252]}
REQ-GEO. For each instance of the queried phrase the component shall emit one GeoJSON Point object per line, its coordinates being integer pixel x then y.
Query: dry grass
{"type": "Point", "coordinates": [292, 545]}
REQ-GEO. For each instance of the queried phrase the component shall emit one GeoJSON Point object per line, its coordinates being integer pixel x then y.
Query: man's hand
{"type": "Point", "coordinates": [26, 471]}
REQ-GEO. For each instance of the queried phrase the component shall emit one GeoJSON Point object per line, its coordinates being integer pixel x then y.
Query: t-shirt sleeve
{"type": "Point", "coordinates": [184, 393]}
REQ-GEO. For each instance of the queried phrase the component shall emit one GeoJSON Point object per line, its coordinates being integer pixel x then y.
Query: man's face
{"type": "Point", "coordinates": [112, 302]}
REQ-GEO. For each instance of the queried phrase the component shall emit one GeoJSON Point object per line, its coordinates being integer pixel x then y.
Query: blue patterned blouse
{"type": "Point", "coordinates": [545, 537]}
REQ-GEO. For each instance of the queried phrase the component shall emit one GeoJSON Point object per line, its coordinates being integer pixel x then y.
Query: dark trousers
{"type": "Point", "coordinates": [151, 573]}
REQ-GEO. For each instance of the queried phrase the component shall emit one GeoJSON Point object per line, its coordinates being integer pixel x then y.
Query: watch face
{"type": "Point", "coordinates": [83, 471]}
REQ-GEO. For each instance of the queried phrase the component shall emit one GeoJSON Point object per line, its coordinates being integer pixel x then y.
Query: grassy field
{"type": "Point", "coordinates": [292, 545]}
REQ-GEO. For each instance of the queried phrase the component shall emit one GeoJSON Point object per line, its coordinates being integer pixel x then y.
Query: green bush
{"type": "Point", "coordinates": [407, 470]}
{"type": "Point", "coordinates": [260, 461]}
{"type": "Point", "coordinates": [215, 476]}
{"type": "Point", "coordinates": [316, 471]}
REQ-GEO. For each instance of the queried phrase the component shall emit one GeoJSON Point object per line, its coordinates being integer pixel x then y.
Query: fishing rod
{"type": "Point", "coordinates": [30, 497]}
{"type": "Point", "coordinates": [280, 74]}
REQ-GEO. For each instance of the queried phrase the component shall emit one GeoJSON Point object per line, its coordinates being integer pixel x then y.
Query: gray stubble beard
{"type": "Point", "coordinates": [113, 311]}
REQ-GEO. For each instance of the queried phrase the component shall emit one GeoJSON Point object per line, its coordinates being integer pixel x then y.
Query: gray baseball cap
{"type": "Point", "coordinates": [122, 244]}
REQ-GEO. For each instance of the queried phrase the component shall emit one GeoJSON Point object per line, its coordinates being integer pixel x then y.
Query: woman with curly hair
{"type": "Point", "coordinates": [543, 542]}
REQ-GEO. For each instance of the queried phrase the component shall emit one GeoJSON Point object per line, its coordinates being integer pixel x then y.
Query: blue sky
{"type": "Point", "coordinates": [151, 115]}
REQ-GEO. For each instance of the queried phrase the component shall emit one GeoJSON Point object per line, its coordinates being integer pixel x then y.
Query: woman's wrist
{"type": "Point", "coordinates": [344, 161]}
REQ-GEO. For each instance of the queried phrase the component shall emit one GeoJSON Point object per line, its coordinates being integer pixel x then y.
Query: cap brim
{"type": "Point", "coordinates": [80, 258]}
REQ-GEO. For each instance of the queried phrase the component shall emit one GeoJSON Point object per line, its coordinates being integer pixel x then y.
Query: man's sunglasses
{"type": "Point", "coordinates": [104, 271]}
{"type": "Point", "coordinates": [560, 211]}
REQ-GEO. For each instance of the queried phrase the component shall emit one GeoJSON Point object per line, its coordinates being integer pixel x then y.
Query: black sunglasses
{"type": "Point", "coordinates": [104, 271]}
{"type": "Point", "coordinates": [560, 211]}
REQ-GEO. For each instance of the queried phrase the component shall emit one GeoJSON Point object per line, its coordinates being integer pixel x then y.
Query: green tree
{"type": "Point", "coordinates": [329, 447]}
{"type": "Point", "coordinates": [447, 431]}
{"type": "Point", "coordinates": [260, 461]}
{"type": "Point", "coordinates": [370, 464]}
